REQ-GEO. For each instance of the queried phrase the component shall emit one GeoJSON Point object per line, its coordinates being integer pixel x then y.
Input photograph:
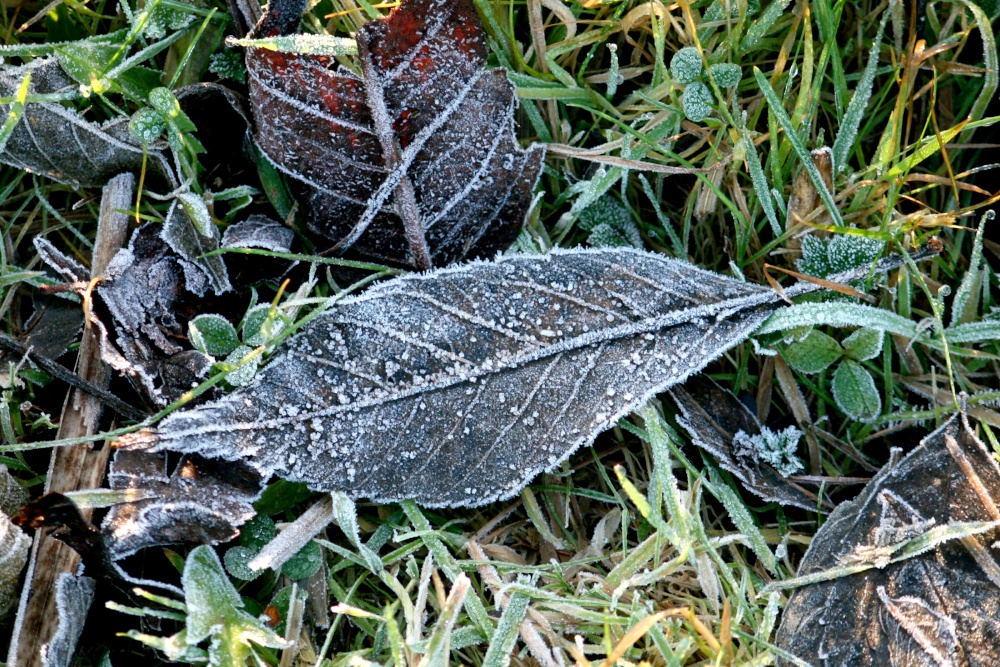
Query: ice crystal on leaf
{"type": "Point", "coordinates": [417, 162]}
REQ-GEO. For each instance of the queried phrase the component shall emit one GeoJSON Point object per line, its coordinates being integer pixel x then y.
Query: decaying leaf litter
{"type": "Point", "coordinates": [548, 523]}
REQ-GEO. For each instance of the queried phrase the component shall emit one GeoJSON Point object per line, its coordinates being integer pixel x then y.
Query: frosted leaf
{"type": "Point", "coordinates": [610, 224]}
{"type": "Point", "coordinates": [144, 292]}
{"type": "Point", "coordinates": [12, 496]}
{"type": "Point", "coordinates": [855, 392]}
{"type": "Point", "coordinates": [697, 101]}
{"type": "Point", "coordinates": [237, 561]}
{"type": "Point", "coordinates": [58, 142]}
{"type": "Point", "coordinates": [721, 425]}
{"type": "Point", "coordinates": [14, 548]}
{"type": "Point", "coordinates": [228, 65]}
{"type": "Point", "coordinates": [425, 142]}
{"type": "Point", "coordinates": [243, 370]}
{"type": "Point", "coordinates": [74, 595]}
{"type": "Point", "coordinates": [67, 267]}
{"type": "Point", "coordinates": [215, 612]}
{"type": "Point", "coordinates": [726, 75]}
{"type": "Point", "coordinates": [813, 353]}
{"type": "Point", "coordinates": [305, 563]}
{"type": "Point", "coordinates": [823, 257]}
{"type": "Point", "coordinates": [686, 65]}
{"type": "Point", "coordinates": [203, 501]}
{"type": "Point", "coordinates": [213, 335]}
{"type": "Point", "coordinates": [192, 239]}
{"type": "Point", "coordinates": [458, 386]}
{"type": "Point", "coordinates": [910, 611]}
{"type": "Point", "coordinates": [774, 447]}
{"type": "Point", "coordinates": [261, 324]}
{"type": "Point", "coordinates": [147, 125]}
{"type": "Point", "coordinates": [864, 344]}
{"type": "Point", "coordinates": [259, 231]}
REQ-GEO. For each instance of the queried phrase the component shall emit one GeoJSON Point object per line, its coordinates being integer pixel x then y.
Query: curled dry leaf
{"type": "Point", "coordinates": [941, 605]}
{"type": "Point", "coordinates": [60, 143]}
{"type": "Point", "coordinates": [458, 386]}
{"type": "Point", "coordinates": [714, 416]}
{"type": "Point", "coordinates": [203, 501]}
{"type": "Point", "coordinates": [416, 162]}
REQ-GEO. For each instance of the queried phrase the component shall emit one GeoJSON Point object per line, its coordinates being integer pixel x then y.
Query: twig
{"type": "Point", "coordinates": [77, 467]}
{"type": "Point", "coordinates": [60, 372]}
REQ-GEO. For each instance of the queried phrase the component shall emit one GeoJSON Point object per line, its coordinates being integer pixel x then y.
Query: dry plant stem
{"type": "Point", "coordinates": [797, 402]}
{"type": "Point", "coordinates": [72, 468]}
{"type": "Point", "coordinates": [406, 199]}
{"type": "Point", "coordinates": [294, 536]}
{"type": "Point", "coordinates": [529, 634]}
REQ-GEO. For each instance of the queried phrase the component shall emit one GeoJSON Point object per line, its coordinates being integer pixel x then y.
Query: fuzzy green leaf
{"type": "Point", "coordinates": [686, 65]}
{"type": "Point", "coordinates": [726, 75]}
{"type": "Point", "coordinates": [213, 335]}
{"type": "Point", "coordinates": [813, 353]}
{"type": "Point", "coordinates": [305, 563]}
{"type": "Point", "coordinates": [697, 102]}
{"type": "Point", "coordinates": [864, 344]}
{"type": "Point", "coordinates": [855, 392]}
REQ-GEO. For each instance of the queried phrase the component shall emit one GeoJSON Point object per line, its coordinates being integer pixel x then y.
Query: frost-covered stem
{"type": "Point", "coordinates": [406, 199]}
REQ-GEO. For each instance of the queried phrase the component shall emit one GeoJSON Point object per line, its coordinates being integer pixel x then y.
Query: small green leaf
{"type": "Point", "coordinates": [257, 532]}
{"type": "Point", "coordinates": [726, 75]}
{"type": "Point", "coordinates": [147, 125]}
{"type": "Point", "coordinates": [196, 209]}
{"type": "Point", "coordinates": [212, 335]}
{"type": "Point", "coordinates": [686, 65]}
{"type": "Point", "coordinates": [697, 102]}
{"type": "Point", "coordinates": [864, 344]}
{"type": "Point", "coordinates": [237, 561]}
{"type": "Point", "coordinates": [164, 101]}
{"type": "Point", "coordinates": [305, 563]}
{"type": "Point", "coordinates": [15, 112]}
{"type": "Point", "coordinates": [260, 326]}
{"type": "Point", "coordinates": [813, 353]}
{"type": "Point", "coordinates": [242, 370]}
{"type": "Point", "coordinates": [855, 392]}
{"type": "Point", "coordinates": [215, 610]}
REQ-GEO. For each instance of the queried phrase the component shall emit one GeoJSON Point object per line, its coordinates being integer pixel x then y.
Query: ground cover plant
{"type": "Point", "coordinates": [791, 198]}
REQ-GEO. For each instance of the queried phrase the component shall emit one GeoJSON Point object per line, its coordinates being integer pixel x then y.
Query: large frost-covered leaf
{"type": "Point", "coordinates": [940, 606]}
{"type": "Point", "coordinates": [58, 142]}
{"type": "Point", "coordinates": [14, 544]}
{"type": "Point", "coordinates": [458, 386]}
{"type": "Point", "coordinates": [417, 163]}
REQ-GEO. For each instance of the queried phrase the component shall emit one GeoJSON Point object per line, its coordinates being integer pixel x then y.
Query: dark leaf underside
{"type": "Point", "coordinates": [939, 608]}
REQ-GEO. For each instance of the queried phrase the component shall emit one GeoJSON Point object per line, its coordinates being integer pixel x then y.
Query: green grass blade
{"type": "Point", "coordinates": [800, 148]}
{"type": "Point", "coordinates": [15, 112]}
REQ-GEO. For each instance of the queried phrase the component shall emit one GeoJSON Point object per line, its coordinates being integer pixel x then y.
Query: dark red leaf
{"type": "Point", "coordinates": [416, 162]}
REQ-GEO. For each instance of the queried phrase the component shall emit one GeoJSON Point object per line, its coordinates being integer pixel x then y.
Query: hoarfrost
{"type": "Point", "coordinates": [409, 401]}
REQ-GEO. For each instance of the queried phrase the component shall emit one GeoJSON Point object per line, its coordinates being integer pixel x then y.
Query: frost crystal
{"type": "Point", "coordinates": [776, 447]}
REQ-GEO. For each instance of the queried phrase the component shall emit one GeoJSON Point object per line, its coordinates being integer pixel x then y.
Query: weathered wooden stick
{"type": "Point", "coordinates": [71, 468]}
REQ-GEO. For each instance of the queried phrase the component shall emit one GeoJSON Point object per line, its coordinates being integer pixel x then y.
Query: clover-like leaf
{"type": "Point", "coordinates": [213, 335]}
{"type": "Point", "coordinates": [814, 353]}
{"type": "Point", "coordinates": [416, 162]}
{"type": "Point", "coordinates": [855, 392]}
{"type": "Point", "coordinates": [726, 75]}
{"type": "Point", "coordinates": [697, 101]}
{"type": "Point", "coordinates": [686, 65]}
{"type": "Point", "coordinates": [305, 563]}
{"type": "Point", "coordinates": [864, 344]}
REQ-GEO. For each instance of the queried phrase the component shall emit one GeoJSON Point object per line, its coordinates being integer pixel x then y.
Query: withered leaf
{"type": "Point", "coordinates": [60, 143]}
{"type": "Point", "coordinates": [713, 416]}
{"type": "Point", "coordinates": [458, 386]}
{"type": "Point", "coordinates": [416, 162]}
{"type": "Point", "coordinates": [146, 296]}
{"type": "Point", "coordinates": [14, 544]}
{"type": "Point", "coordinates": [203, 501]}
{"type": "Point", "coordinates": [941, 607]}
